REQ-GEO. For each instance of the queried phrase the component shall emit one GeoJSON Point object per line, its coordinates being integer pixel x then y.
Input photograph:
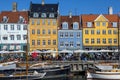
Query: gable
{"type": "Point", "coordinates": [101, 18]}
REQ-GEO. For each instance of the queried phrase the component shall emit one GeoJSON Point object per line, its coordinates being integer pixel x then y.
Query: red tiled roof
{"type": "Point", "coordinates": [13, 17]}
{"type": "Point", "coordinates": [92, 17]}
{"type": "Point", "coordinates": [69, 20]}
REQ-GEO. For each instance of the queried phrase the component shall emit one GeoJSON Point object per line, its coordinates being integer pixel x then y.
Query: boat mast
{"type": "Point", "coordinates": [27, 52]}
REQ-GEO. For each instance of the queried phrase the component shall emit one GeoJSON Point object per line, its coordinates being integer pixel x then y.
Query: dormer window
{"type": "Point", "coordinates": [89, 24]}
{"type": "Point", "coordinates": [51, 15]}
{"type": "Point", "coordinates": [35, 15]}
{"type": "Point", "coordinates": [21, 19]}
{"type": "Point", "coordinates": [64, 25]}
{"type": "Point", "coordinates": [75, 25]}
{"type": "Point", "coordinates": [5, 19]}
{"type": "Point", "coordinates": [114, 24]}
{"type": "Point", "coordinates": [43, 15]}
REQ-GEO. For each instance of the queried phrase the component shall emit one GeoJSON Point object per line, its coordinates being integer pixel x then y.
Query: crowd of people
{"type": "Point", "coordinates": [61, 57]}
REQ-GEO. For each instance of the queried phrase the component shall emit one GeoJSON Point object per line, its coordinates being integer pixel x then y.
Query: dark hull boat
{"type": "Point", "coordinates": [35, 72]}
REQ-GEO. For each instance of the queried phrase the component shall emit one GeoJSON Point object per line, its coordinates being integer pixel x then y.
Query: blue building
{"type": "Point", "coordinates": [69, 33]}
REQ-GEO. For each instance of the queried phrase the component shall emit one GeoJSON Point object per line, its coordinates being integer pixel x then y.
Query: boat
{"type": "Point", "coordinates": [13, 70]}
{"type": "Point", "coordinates": [104, 71]}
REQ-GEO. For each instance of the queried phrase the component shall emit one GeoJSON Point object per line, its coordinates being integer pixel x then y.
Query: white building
{"type": "Point", "coordinates": [13, 30]}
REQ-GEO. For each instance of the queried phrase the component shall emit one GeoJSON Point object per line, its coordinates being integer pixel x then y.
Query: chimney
{"type": "Point", "coordinates": [43, 2]}
{"type": "Point", "coordinates": [14, 7]}
{"type": "Point", "coordinates": [70, 14]}
{"type": "Point", "coordinates": [110, 11]}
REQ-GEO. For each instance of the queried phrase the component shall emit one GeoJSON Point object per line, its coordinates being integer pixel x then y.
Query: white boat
{"type": "Point", "coordinates": [108, 72]}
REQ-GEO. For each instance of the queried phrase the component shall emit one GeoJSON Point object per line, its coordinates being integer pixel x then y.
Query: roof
{"type": "Point", "coordinates": [69, 20]}
{"type": "Point", "coordinates": [13, 17]}
{"type": "Point", "coordinates": [92, 17]}
{"type": "Point", "coordinates": [43, 8]}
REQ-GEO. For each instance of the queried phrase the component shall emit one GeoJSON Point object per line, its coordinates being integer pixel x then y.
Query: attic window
{"type": "Point", "coordinates": [21, 19]}
{"type": "Point", "coordinates": [36, 15]}
{"type": "Point", "coordinates": [5, 19]}
{"type": "Point", "coordinates": [51, 15]}
{"type": "Point", "coordinates": [43, 15]}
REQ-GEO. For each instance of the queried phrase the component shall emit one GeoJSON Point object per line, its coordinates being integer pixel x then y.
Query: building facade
{"type": "Point", "coordinates": [69, 33]}
{"type": "Point", "coordinates": [13, 30]}
{"type": "Point", "coordinates": [43, 24]}
{"type": "Point", "coordinates": [100, 31]}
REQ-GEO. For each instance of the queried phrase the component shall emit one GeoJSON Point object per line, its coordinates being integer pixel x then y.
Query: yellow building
{"type": "Point", "coordinates": [100, 31]}
{"type": "Point", "coordinates": [43, 27]}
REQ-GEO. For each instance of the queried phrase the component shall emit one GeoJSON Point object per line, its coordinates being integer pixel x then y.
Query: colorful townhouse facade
{"type": "Point", "coordinates": [43, 24]}
{"type": "Point", "coordinates": [13, 29]}
{"type": "Point", "coordinates": [69, 33]}
{"type": "Point", "coordinates": [100, 31]}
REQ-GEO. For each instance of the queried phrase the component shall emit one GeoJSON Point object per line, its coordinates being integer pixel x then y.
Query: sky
{"type": "Point", "coordinates": [77, 7]}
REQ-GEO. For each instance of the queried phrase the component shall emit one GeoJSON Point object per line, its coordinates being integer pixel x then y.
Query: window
{"type": "Point", "coordinates": [78, 44]}
{"type": "Point", "coordinates": [38, 22]}
{"type": "Point", "coordinates": [5, 19]}
{"type": "Point", "coordinates": [61, 44]}
{"type": "Point", "coordinates": [98, 40]}
{"type": "Point", "coordinates": [97, 23]}
{"type": "Point", "coordinates": [18, 37]}
{"type": "Point", "coordinates": [38, 31]}
{"type": "Point", "coordinates": [89, 24]}
{"type": "Point", "coordinates": [114, 24]}
{"type": "Point", "coordinates": [86, 40]}
{"type": "Point", "coordinates": [75, 25]}
{"type": "Point", "coordinates": [11, 37]}
{"type": "Point", "coordinates": [71, 43]}
{"type": "Point", "coordinates": [54, 42]}
{"type": "Point", "coordinates": [49, 42]}
{"type": "Point", "coordinates": [71, 34]}
{"type": "Point", "coordinates": [38, 42]}
{"type": "Point", "coordinates": [51, 15]}
{"type": "Point", "coordinates": [115, 41]}
{"type": "Point", "coordinates": [21, 19]}
{"type": "Point", "coordinates": [5, 38]}
{"type": "Point", "coordinates": [43, 43]}
{"type": "Point", "coordinates": [49, 32]}
{"type": "Point", "coordinates": [35, 15]}
{"type": "Point", "coordinates": [61, 34]}
{"type": "Point", "coordinates": [103, 31]}
{"type": "Point", "coordinates": [48, 22]}
{"type": "Point", "coordinates": [92, 41]}
{"type": "Point", "coordinates": [43, 31]}
{"type": "Point", "coordinates": [12, 27]}
{"type": "Point", "coordinates": [66, 44]}
{"type": "Point", "coordinates": [109, 32]}
{"type": "Point", "coordinates": [43, 22]}
{"type": "Point", "coordinates": [103, 23]}
{"type": "Point", "coordinates": [98, 31]}
{"type": "Point", "coordinates": [104, 40]}
{"type": "Point", "coordinates": [18, 27]}
{"type": "Point", "coordinates": [33, 42]}
{"type": "Point", "coordinates": [64, 25]}
{"type": "Point", "coordinates": [110, 40]}
{"type": "Point", "coordinates": [5, 27]}
{"type": "Point", "coordinates": [24, 37]}
{"type": "Point", "coordinates": [92, 31]}
{"type": "Point", "coordinates": [32, 22]}
{"type": "Point", "coordinates": [33, 31]}
{"type": "Point", "coordinates": [86, 32]}
{"type": "Point", "coordinates": [78, 34]}
{"type": "Point", "coordinates": [66, 34]}
{"type": "Point", "coordinates": [43, 15]}
{"type": "Point", "coordinates": [114, 31]}
{"type": "Point", "coordinates": [54, 31]}
{"type": "Point", "coordinates": [24, 27]}
{"type": "Point", "coordinates": [54, 22]}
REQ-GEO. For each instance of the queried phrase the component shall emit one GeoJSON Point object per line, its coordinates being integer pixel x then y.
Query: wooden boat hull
{"type": "Point", "coordinates": [103, 75]}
